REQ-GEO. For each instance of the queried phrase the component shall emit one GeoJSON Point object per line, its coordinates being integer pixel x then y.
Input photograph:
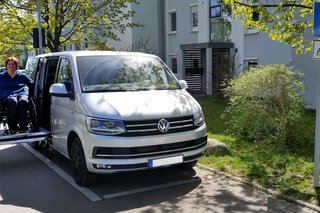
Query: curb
{"type": "Point", "coordinates": [259, 187]}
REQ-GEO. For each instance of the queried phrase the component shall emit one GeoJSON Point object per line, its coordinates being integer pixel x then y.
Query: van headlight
{"type": "Point", "coordinates": [198, 118]}
{"type": "Point", "coordinates": [105, 126]}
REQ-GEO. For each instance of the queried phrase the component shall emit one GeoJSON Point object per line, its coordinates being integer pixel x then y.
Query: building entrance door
{"type": "Point", "coordinates": [194, 63]}
{"type": "Point", "coordinates": [222, 69]}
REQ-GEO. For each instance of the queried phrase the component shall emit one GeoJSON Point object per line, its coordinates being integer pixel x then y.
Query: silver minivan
{"type": "Point", "coordinates": [117, 112]}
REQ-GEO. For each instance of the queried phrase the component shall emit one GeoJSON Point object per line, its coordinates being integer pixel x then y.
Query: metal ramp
{"type": "Point", "coordinates": [27, 137]}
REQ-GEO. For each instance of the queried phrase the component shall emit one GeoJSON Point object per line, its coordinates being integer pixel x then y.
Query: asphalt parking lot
{"type": "Point", "coordinates": [30, 182]}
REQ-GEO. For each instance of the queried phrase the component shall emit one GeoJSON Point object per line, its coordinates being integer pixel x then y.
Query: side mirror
{"type": "Point", "coordinates": [183, 84]}
{"type": "Point", "coordinates": [60, 90]}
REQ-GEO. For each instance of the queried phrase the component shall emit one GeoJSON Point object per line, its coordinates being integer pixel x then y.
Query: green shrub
{"type": "Point", "coordinates": [265, 103]}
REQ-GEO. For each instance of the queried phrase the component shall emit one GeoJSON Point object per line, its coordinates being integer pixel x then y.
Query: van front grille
{"type": "Point", "coordinates": [150, 127]}
{"type": "Point", "coordinates": [147, 151]}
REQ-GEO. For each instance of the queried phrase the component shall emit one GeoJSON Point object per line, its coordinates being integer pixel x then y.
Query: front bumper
{"type": "Point", "coordinates": [132, 159]}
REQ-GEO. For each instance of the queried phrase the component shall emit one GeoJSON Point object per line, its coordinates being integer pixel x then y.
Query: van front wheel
{"type": "Point", "coordinates": [80, 172]}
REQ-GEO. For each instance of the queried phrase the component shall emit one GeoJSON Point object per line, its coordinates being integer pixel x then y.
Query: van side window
{"type": "Point", "coordinates": [65, 74]}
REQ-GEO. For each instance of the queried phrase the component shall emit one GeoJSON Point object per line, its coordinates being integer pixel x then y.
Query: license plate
{"type": "Point", "coordinates": [153, 163]}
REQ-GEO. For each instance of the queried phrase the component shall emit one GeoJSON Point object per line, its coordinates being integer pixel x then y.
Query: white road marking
{"type": "Point", "coordinates": [151, 188]}
{"type": "Point", "coordinates": [6, 146]}
{"type": "Point", "coordinates": [84, 190]}
{"type": "Point", "coordinates": [91, 195]}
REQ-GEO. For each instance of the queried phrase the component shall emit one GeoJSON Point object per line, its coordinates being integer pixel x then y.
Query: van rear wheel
{"type": "Point", "coordinates": [80, 172]}
{"type": "Point", "coordinates": [38, 145]}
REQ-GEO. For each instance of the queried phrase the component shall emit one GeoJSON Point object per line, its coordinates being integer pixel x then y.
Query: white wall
{"type": "Point", "coordinates": [237, 37]}
{"type": "Point", "coordinates": [203, 27]}
{"type": "Point", "coordinates": [147, 13]}
{"type": "Point", "coordinates": [183, 34]}
{"type": "Point", "coordinates": [311, 69]}
{"type": "Point", "coordinates": [267, 51]}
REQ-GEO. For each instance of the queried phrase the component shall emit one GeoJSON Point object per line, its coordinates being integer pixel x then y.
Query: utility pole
{"type": "Point", "coordinates": [39, 28]}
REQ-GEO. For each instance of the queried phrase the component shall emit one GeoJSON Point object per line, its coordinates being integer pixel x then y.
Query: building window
{"type": "Point", "coordinates": [249, 63]}
{"type": "Point", "coordinates": [174, 65]}
{"type": "Point", "coordinates": [255, 16]}
{"type": "Point", "coordinates": [220, 30]}
{"type": "Point", "coordinates": [215, 8]}
{"type": "Point", "coordinates": [220, 27]}
{"type": "Point", "coordinates": [195, 21]}
{"type": "Point", "coordinates": [215, 11]}
{"type": "Point", "coordinates": [173, 19]}
{"type": "Point", "coordinates": [194, 18]}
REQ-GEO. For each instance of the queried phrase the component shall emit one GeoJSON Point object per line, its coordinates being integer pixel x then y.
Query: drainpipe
{"type": "Point", "coordinates": [209, 71]}
{"type": "Point", "coordinates": [162, 30]}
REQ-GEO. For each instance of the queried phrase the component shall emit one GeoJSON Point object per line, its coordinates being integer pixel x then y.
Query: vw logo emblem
{"type": "Point", "coordinates": [163, 125]}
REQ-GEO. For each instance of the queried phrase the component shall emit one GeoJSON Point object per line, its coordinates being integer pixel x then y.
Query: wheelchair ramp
{"type": "Point", "coordinates": [28, 137]}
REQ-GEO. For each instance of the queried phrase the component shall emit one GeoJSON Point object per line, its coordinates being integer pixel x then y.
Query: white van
{"type": "Point", "coordinates": [116, 112]}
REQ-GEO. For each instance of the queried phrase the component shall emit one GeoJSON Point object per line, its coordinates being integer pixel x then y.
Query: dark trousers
{"type": "Point", "coordinates": [17, 112]}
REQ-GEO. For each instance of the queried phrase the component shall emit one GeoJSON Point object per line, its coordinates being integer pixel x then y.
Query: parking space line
{"type": "Point", "coordinates": [151, 188]}
{"type": "Point", "coordinates": [84, 190]}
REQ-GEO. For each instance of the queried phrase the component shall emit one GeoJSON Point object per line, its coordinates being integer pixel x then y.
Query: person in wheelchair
{"type": "Point", "coordinates": [14, 93]}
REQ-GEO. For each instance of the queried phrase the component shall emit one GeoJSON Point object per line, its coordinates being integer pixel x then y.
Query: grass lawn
{"type": "Point", "coordinates": [286, 169]}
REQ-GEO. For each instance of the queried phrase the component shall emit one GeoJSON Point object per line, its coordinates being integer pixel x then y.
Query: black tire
{"type": "Point", "coordinates": [80, 172]}
{"type": "Point", "coordinates": [38, 145]}
{"type": "Point", "coordinates": [32, 119]}
{"type": "Point", "coordinates": [32, 116]}
{"type": "Point", "coordinates": [35, 145]}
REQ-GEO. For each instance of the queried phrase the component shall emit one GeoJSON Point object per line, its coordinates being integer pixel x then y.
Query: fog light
{"type": "Point", "coordinates": [101, 166]}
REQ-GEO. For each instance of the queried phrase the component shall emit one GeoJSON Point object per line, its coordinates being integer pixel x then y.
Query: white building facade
{"type": "Point", "coordinates": [201, 43]}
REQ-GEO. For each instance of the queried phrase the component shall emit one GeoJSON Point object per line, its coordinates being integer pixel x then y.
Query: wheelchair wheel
{"type": "Point", "coordinates": [32, 116]}
{"type": "Point", "coordinates": [32, 120]}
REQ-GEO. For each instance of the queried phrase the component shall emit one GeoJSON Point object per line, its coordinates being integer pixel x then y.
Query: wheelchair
{"type": "Point", "coordinates": [31, 116]}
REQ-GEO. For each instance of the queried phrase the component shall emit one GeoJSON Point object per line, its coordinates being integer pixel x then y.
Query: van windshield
{"type": "Point", "coordinates": [124, 73]}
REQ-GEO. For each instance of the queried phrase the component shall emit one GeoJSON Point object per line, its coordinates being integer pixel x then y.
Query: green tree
{"type": "Point", "coordinates": [65, 21]}
{"type": "Point", "coordinates": [286, 20]}
{"type": "Point", "coordinates": [15, 30]}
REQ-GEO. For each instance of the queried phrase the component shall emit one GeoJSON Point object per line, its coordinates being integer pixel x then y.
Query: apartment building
{"type": "Point", "coordinates": [202, 44]}
{"type": "Point", "coordinates": [193, 38]}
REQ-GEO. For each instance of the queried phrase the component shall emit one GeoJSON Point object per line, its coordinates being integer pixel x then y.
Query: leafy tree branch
{"type": "Point", "coordinates": [284, 21]}
{"type": "Point", "coordinates": [66, 22]}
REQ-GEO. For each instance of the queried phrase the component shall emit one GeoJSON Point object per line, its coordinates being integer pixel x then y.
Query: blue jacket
{"type": "Point", "coordinates": [15, 85]}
